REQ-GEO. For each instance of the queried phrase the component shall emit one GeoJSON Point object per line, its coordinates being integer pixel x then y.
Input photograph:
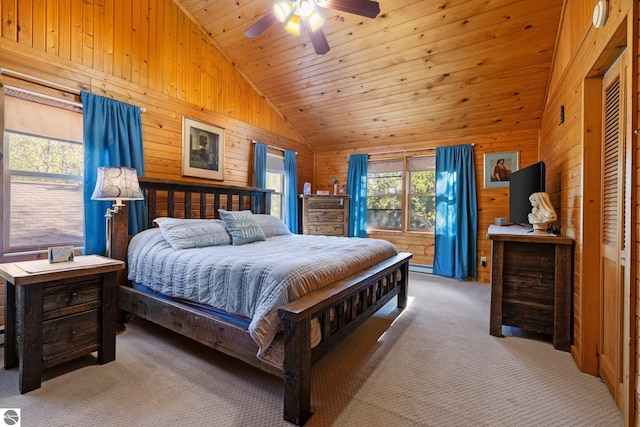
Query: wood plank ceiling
{"type": "Point", "coordinates": [419, 71]}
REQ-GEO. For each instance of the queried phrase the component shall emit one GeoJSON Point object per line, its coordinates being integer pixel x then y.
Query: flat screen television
{"type": "Point", "coordinates": [522, 184]}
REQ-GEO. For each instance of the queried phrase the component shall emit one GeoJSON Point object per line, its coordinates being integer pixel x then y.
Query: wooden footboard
{"type": "Point", "coordinates": [340, 308]}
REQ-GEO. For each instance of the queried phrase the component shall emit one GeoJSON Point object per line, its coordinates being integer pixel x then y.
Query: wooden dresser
{"type": "Point", "coordinates": [325, 215]}
{"type": "Point", "coordinates": [531, 283]}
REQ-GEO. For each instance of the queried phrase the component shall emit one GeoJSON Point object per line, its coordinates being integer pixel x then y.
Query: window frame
{"type": "Point", "coordinates": [402, 194]}
{"type": "Point", "coordinates": [410, 194]}
{"type": "Point", "coordinates": [45, 97]}
{"type": "Point", "coordinates": [405, 195]}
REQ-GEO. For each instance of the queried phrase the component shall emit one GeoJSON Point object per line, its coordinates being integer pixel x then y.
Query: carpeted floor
{"type": "Point", "coordinates": [434, 364]}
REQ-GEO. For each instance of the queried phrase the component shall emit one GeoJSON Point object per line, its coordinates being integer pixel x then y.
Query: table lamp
{"type": "Point", "coordinates": [117, 184]}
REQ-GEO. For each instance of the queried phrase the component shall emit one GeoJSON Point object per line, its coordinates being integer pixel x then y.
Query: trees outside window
{"type": "Point", "coordinates": [401, 194]}
{"type": "Point", "coordinates": [275, 182]}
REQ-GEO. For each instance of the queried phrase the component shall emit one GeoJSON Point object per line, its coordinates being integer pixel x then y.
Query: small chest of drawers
{"type": "Point", "coordinates": [325, 215]}
{"type": "Point", "coordinates": [56, 313]}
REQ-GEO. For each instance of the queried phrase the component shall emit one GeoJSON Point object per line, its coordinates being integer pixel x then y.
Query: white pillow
{"type": "Point", "coordinates": [271, 225]}
{"type": "Point", "coordinates": [193, 233]}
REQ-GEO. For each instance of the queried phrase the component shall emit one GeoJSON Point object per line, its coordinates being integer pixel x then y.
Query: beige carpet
{"type": "Point", "coordinates": [435, 365]}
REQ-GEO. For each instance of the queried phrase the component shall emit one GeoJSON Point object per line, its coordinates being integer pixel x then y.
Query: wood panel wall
{"type": "Point", "coordinates": [492, 203]}
{"type": "Point", "coordinates": [572, 165]}
{"type": "Point", "coordinates": [147, 53]}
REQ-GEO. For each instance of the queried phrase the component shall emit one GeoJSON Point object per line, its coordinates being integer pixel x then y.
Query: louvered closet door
{"type": "Point", "coordinates": [613, 247]}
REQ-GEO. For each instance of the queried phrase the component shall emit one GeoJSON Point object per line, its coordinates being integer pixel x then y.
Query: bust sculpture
{"type": "Point", "coordinates": [542, 212]}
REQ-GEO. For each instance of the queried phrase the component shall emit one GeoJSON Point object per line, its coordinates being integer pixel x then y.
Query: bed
{"type": "Point", "coordinates": [307, 327]}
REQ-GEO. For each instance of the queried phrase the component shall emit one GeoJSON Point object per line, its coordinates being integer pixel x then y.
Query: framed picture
{"type": "Point", "coordinates": [498, 168]}
{"type": "Point", "coordinates": [202, 150]}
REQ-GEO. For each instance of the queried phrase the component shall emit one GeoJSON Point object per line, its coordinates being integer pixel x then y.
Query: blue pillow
{"type": "Point", "coordinates": [242, 226]}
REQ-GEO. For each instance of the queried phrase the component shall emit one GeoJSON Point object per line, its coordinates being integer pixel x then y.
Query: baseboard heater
{"type": "Point", "coordinates": [419, 268]}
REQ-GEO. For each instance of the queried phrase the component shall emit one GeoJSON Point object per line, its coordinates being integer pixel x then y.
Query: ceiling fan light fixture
{"type": "Point", "coordinates": [282, 10]}
{"type": "Point", "coordinates": [293, 25]}
{"type": "Point", "coordinates": [306, 8]}
{"type": "Point", "coordinates": [295, 14]}
{"type": "Point", "coordinates": [315, 21]}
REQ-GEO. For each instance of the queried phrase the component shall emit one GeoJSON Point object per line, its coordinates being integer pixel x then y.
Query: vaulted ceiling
{"type": "Point", "coordinates": [421, 70]}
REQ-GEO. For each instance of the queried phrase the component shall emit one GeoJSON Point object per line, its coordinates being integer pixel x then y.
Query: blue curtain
{"type": "Point", "coordinates": [456, 213]}
{"type": "Point", "coordinates": [357, 189]}
{"type": "Point", "coordinates": [291, 191]}
{"type": "Point", "coordinates": [112, 137]}
{"type": "Point", "coordinates": [260, 165]}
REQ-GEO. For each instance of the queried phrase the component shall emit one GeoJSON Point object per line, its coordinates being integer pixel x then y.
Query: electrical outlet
{"type": "Point", "coordinates": [483, 261]}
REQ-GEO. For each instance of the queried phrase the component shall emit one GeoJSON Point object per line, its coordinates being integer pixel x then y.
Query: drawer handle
{"type": "Point", "coordinates": [74, 333]}
{"type": "Point", "coordinates": [73, 296]}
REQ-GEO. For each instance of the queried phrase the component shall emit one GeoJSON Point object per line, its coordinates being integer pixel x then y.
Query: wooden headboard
{"type": "Point", "coordinates": [184, 199]}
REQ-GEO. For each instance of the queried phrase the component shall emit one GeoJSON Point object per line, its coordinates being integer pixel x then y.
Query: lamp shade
{"type": "Point", "coordinates": [117, 183]}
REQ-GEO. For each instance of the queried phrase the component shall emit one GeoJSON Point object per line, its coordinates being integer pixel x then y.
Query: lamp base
{"type": "Point", "coordinates": [109, 229]}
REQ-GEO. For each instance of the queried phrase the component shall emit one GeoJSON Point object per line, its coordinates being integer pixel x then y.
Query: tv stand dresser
{"type": "Point", "coordinates": [531, 283]}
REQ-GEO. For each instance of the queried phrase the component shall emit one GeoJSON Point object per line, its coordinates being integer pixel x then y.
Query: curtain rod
{"type": "Point", "coordinates": [32, 79]}
{"type": "Point", "coordinates": [271, 146]}
{"type": "Point", "coordinates": [41, 95]}
{"type": "Point", "coordinates": [43, 82]}
{"type": "Point", "coordinates": [407, 151]}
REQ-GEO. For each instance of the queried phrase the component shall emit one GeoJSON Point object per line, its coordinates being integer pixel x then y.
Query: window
{"type": "Point", "coordinates": [401, 194]}
{"type": "Point", "coordinates": [384, 194]}
{"type": "Point", "coordinates": [43, 164]}
{"type": "Point", "coordinates": [275, 182]}
{"type": "Point", "coordinates": [422, 192]}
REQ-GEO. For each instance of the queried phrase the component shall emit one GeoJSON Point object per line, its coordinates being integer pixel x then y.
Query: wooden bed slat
{"type": "Point", "coordinates": [203, 205]}
{"type": "Point", "coordinates": [171, 204]}
{"type": "Point", "coordinates": [151, 209]}
{"type": "Point", "coordinates": [187, 204]}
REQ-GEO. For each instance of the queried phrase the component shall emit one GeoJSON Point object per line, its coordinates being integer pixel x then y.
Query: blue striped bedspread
{"type": "Point", "coordinates": [254, 279]}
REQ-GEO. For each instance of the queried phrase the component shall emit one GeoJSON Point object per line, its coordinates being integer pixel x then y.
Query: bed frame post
{"type": "Point", "coordinates": [120, 243]}
{"type": "Point", "coordinates": [404, 285]}
{"type": "Point", "coordinates": [296, 370]}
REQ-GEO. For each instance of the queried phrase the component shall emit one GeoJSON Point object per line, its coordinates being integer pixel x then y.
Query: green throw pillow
{"type": "Point", "coordinates": [242, 226]}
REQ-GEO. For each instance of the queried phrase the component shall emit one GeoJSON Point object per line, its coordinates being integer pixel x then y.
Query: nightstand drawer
{"type": "Point", "coordinates": [69, 334]}
{"type": "Point", "coordinates": [72, 297]}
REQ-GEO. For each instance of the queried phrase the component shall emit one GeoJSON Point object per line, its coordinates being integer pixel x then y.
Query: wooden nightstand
{"type": "Point", "coordinates": [57, 312]}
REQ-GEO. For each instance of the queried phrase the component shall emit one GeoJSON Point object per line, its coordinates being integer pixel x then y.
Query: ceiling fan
{"type": "Point", "coordinates": [297, 14]}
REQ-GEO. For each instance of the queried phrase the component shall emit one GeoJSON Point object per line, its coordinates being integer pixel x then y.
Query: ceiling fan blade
{"type": "Point", "coordinates": [260, 27]}
{"type": "Point", "coordinates": [367, 8]}
{"type": "Point", "coordinates": [319, 41]}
